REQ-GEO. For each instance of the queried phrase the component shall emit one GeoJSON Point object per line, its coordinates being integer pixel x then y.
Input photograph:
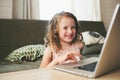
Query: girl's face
{"type": "Point", "coordinates": [66, 29]}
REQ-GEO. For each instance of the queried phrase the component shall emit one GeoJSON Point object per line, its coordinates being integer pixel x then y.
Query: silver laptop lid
{"type": "Point", "coordinates": [110, 53]}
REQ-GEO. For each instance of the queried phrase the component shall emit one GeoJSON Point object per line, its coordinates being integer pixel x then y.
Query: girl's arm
{"type": "Point", "coordinates": [47, 61]}
{"type": "Point", "coordinates": [81, 45]}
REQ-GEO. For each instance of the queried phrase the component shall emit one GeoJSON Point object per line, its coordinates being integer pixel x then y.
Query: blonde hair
{"type": "Point", "coordinates": [52, 38]}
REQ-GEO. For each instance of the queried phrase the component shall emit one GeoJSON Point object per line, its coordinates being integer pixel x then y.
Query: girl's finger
{"type": "Point", "coordinates": [72, 57]}
{"type": "Point", "coordinates": [75, 53]}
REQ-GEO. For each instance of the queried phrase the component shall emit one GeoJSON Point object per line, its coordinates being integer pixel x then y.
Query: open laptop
{"type": "Point", "coordinates": [109, 57]}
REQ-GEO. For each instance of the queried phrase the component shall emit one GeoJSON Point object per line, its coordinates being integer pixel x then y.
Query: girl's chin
{"type": "Point", "coordinates": [68, 40]}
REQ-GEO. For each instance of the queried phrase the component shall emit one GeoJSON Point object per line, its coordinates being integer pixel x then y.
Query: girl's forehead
{"type": "Point", "coordinates": [66, 20]}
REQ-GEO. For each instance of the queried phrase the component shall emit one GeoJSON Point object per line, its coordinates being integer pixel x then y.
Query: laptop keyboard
{"type": "Point", "coordinates": [88, 67]}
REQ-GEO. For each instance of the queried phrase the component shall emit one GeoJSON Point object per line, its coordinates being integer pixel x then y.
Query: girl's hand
{"type": "Point", "coordinates": [68, 56]}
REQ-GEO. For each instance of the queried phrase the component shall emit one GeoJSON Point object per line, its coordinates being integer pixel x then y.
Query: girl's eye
{"type": "Point", "coordinates": [73, 27]}
{"type": "Point", "coordinates": [65, 27]}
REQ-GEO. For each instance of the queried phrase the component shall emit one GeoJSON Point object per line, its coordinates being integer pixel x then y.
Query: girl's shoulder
{"type": "Point", "coordinates": [49, 49]}
{"type": "Point", "coordinates": [80, 44]}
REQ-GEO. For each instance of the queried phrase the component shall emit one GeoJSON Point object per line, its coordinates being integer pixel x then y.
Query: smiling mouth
{"type": "Point", "coordinates": [69, 36]}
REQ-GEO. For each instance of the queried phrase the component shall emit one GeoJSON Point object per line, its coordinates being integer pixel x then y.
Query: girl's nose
{"type": "Point", "coordinates": [69, 30]}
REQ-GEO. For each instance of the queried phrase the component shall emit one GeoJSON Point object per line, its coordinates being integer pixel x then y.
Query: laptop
{"type": "Point", "coordinates": [109, 56]}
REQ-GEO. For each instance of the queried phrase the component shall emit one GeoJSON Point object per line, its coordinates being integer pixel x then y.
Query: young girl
{"type": "Point", "coordinates": [63, 41]}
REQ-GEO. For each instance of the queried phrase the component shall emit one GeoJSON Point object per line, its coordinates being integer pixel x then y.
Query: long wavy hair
{"type": "Point", "coordinates": [52, 37]}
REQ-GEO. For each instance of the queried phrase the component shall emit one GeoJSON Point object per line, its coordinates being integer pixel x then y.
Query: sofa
{"type": "Point", "coordinates": [16, 33]}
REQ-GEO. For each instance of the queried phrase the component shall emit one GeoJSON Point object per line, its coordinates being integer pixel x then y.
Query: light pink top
{"type": "Point", "coordinates": [74, 47]}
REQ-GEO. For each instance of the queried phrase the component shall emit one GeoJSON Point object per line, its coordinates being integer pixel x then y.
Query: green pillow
{"type": "Point", "coordinates": [92, 49]}
{"type": "Point", "coordinates": [26, 53]}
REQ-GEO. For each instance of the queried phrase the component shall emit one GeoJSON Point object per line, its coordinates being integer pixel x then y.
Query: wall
{"type": "Point", "coordinates": [6, 9]}
{"type": "Point", "coordinates": [107, 9]}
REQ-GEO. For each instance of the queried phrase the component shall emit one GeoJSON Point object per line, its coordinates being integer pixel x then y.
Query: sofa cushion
{"type": "Point", "coordinates": [92, 49]}
{"type": "Point", "coordinates": [26, 53]}
{"type": "Point", "coordinates": [92, 37]}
